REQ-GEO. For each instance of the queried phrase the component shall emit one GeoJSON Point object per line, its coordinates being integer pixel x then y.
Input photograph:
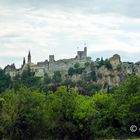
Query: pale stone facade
{"type": "Point", "coordinates": [11, 70]}
{"type": "Point", "coordinates": [52, 65]}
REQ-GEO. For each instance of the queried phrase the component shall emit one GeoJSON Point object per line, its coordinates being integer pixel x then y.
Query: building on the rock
{"type": "Point", "coordinates": [49, 67]}
{"type": "Point", "coordinates": [29, 58]}
{"type": "Point", "coordinates": [11, 70]}
{"type": "Point", "coordinates": [82, 54]}
{"type": "Point", "coordinates": [55, 65]}
{"type": "Point", "coordinates": [51, 59]}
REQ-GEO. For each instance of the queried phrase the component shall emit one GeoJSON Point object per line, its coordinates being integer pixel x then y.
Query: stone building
{"type": "Point", "coordinates": [51, 58]}
{"type": "Point", "coordinates": [55, 65]}
{"type": "Point", "coordinates": [11, 70]}
{"type": "Point", "coordinates": [29, 58]}
{"type": "Point", "coordinates": [82, 54]}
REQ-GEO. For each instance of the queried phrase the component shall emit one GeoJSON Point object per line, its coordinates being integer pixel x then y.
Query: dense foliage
{"type": "Point", "coordinates": [77, 70]}
{"type": "Point", "coordinates": [105, 63]}
{"type": "Point", "coordinates": [30, 110]}
{"type": "Point", "coordinates": [5, 81]}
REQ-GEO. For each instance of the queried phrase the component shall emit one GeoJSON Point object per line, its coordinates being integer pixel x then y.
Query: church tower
{"type": "Point", "coordinates": [29, 58]}
{"type": "Point", "coordinates": [24, 61]}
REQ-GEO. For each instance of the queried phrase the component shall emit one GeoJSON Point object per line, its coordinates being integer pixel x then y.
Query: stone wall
{"type": "Point", "coordinates": [65, 64]}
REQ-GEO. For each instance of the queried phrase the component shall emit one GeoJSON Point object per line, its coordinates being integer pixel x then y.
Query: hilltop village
{"type": "Point", "coordinates": [109, 72]}
{"type": "Point", "coordinates": [49, 66]}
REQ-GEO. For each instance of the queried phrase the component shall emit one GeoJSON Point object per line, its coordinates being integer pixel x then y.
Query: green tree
{"type": "Point", "coordinates": [127, 97]}
{"type": "Point", "coordinates": [87, 64]}
{"type": "Point", "coordinates": [57, 77]}
{"type": "Point", "coordinates": [23, 115]}
{"type": "Point", "coordinates": [5, 81]}
{"type": "Point", "coordinates": [92, 66]}
{"type": "Point", "coordinates": [83, 115]}
{"type": "Point", "coordinates": [107, 64]}
{"type": "Point", "coordinates": [28, 78]}
{"type": "Point", "coordinates": [60, 106]}
{"type": "Point", "coordinates": [65, 114]}
{"type": "Point", "coordinates": [16, 83]}
{"type": "Point", "coordinates": [104, 123]}
{"type": "Point", "coordinates": [101, 62]}
{"type": "Point", "coordinates": [129, 87]}
{"type": "Point", "coordinates": [97, 60]}
{"type": "Point", "coordinates": [78, 70]}
{"type": "Point", "coordinates": [44, 88]}
{"type": "Point", "coordinates": [77, 65]}
{"type": "Point", "coordinates": [70, 71]}
{"type": "Point", "coordinates": [91, 88]}
{"type": "Point", "coordinates": [69, 82]}
{"type": "Point", "coordinates": [47, 79]}
{"type": "Point", "coordinates": [93, 76]}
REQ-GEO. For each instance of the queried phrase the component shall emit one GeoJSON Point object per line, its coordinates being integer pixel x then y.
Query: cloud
{"type": "Point", "coordinates": [62, 30]}
{"type": "Point", "coordinates": [122, 7]}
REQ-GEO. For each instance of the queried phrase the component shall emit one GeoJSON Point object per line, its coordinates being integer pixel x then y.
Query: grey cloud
{"type": "Point", "coordinates": [123, 7]}
{"type": "Point", "coordinates": [50, 32]}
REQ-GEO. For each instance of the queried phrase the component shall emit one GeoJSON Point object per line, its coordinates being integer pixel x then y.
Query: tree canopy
{"type": "Point", "coordinates": [65, 114]}
{"type": "Point", "coordinates": [34, 108]}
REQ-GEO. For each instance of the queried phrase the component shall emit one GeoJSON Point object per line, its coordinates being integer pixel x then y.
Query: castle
{"type": "Point", "coordinates": [104, 76]}
{"type": "Point", "coordinates": [49, 66]}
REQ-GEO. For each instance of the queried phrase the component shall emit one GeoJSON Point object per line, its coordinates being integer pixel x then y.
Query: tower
{"type": "Point", "coordinates": [51, 58]}
{"type": "Point", "coordinates": [24, 61]}
{"type": "Point", "coordinates": [82, 54]}
{"type": "Point", "coordinates": [29, 58]}
{"type": "Point", "coordinates": [85, 50]}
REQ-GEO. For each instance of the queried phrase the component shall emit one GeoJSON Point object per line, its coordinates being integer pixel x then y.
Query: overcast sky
{"type": "Point", "coordinates": [61, 27]}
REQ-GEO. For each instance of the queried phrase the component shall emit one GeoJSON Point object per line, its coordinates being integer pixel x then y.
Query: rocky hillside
{"type": "Point", "coordinates": [107, 73]}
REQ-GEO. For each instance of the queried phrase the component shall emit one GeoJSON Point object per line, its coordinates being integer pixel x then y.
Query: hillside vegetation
{"type": "Point", "coordinates": [31, 110]}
